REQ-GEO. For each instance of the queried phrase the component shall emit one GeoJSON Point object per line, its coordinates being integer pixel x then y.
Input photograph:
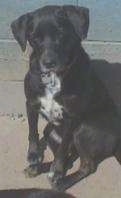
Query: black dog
{"type": "Point", "coordinates": [33, 193]}
{"type": "Point", "coordinates": [51, 84]}
{"type": "Point", "coordinates": [63, 87]}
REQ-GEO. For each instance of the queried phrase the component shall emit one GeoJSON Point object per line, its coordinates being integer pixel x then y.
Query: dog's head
{"type": "Point", "coordinates": [54, 33]}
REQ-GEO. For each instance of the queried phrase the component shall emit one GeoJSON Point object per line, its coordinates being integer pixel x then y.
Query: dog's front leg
{"type": "Point", "coordinates": [33, 150]}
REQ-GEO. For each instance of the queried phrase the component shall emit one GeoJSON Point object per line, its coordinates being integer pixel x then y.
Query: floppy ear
{"type": "Point", "coordinates": [19, 30]}
{"type": "Point", "coordinates": [79, 17]}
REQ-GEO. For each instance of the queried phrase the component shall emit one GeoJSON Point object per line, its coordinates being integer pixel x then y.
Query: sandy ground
{"type": "Point", "coordinates": [106, 182]}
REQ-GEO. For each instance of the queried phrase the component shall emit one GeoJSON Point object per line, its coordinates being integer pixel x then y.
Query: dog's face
{"type": "Point", "coordinates": [54, 33]}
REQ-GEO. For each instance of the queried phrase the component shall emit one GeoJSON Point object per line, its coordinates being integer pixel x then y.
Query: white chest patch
{"type": "Point", "coordinates": [49, 107]}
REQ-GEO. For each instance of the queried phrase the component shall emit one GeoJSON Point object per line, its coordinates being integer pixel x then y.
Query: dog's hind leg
{"type": "Point", "coordinates": [87, 166]}
{"type": "Point", "coordinates": [58, 168]}
{"type": "Point", "coordinates": [84, 144]}
{"type": "Point", "coordinates": [71, 158]}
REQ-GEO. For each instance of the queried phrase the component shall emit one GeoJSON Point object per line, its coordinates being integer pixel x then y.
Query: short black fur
{"type": "Point", "coordinates": [90, 128]}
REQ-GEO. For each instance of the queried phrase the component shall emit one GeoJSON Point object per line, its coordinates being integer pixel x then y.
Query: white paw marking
{"type": "Point", "coordinates": [51, 174]}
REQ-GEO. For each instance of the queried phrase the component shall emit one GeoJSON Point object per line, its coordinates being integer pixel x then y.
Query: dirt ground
{"type": "Point", "coordinates": [106, 182]}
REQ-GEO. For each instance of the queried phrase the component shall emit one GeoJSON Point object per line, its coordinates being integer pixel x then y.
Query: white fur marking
{"type": "Point", "coordinates": [50, 174]}
{"type": "Point", "coordinates": [56, 137]}
{"type": "Point", "coordinates": [49, 107]}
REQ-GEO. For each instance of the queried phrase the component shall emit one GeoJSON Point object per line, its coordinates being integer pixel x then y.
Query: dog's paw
{"type": "Point", "coordinates": [54, 176]}
{"type": "Point", "coordinates": [33, 158]}
{"type": "Point", "coordinates": [57, 184]}
{"type": "Point", "coordinates": [35, 154]}
{"type": "Point", "coordinates": [31, 171]}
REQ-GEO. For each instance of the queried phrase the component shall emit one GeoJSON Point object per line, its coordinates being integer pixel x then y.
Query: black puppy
{"type": "Point", "coordinates": [33, 193]}
{"type": "Point", "coordinates": [63, 87]}
{"type": "Point", "coordinates": [58, 65]}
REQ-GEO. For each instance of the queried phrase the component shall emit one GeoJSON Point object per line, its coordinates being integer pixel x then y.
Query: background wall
{"type": "Point", "coordinates": [105, 16]}
{"type": "Point", "coordinates": [103, 42]}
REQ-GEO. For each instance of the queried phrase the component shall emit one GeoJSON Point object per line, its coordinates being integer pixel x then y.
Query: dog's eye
{"type": "Point", "coordinates": [38, 42]}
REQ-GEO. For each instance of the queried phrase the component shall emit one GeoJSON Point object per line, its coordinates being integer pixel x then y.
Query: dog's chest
{"type": "Point", "coordinates": [50, 108]}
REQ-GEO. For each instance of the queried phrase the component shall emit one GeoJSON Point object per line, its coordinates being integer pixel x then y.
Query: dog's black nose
{"type": "Point", "coordinates": [49, 63]}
